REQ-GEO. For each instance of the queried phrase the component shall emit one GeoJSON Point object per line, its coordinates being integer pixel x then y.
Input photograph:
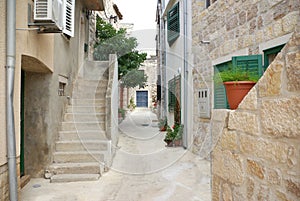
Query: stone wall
{"type": "Point", "coordinates": [4, 183]}
{"type": "Point", "coordinates": [150, 69]}
{"type": "Point", "coordinates": [232, 28]}
{"type": "Point", "coordinates": [257, 153]}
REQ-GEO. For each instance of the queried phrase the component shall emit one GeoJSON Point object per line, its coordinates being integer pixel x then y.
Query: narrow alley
{"type": "Point", "coordinates": [143, 169]}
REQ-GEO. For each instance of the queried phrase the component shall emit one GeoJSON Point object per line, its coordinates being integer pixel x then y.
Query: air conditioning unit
{"type": "Point", "coordinates": [49, 15]}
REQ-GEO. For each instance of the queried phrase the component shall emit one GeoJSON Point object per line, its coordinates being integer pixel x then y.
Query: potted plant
{"type": "Point", "coordinates": [238, 83]}
{"type": "Point", "coordinates": [162, 124]}
{"type": "Point", "coordinates": [178, 129]}
{"type": "Point", "coordinates": [169, 136]}
{"type": "Point", "coordinates": [174, 135]}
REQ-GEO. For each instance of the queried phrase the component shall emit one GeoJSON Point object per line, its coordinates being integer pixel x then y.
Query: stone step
{"type": "Point", "coordinates": [85, 109]}
{"type": "Point", "coordinates": [89, 94]}
{"type": "Point", "coordinates": [79, 117]}
{"type": "Point", "coordinates": [75, 168]}
{"type": "Point", "coordinates": [73, 126]}
{"type": "Point", "coordinates": [82, 135]}
{"type": "Point", "coordinates": [87, 82]}
{"type": "Point", "coordinates": [78, 156]}
{"type": "Point", "coordinates": [61, 178]}
{"type": "Point", "coordinates": [82, 145]}
{"type": "Point", "coordinates": [87, 102]}
{"type": "Point", "coordinates": [82, 87]}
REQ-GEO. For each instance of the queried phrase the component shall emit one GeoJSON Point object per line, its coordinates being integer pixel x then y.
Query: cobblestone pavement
{"type": "Point", "coordinates": [143, 170]}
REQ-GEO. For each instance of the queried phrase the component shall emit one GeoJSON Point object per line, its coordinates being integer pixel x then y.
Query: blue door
{"type": "Point", "coordinates": [142, 98]}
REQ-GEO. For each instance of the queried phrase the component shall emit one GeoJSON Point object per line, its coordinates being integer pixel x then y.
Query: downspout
{"type": "Point", "coordinates": [162, 57]}
{"type": "Point", "coordinates": [186, 73]}
{"type": "Point", "coordinates": [10, 73]}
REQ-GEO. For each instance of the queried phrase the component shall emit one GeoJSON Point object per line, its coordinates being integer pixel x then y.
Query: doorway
{"type": "Point", "coordinates": [142, 98]}
{"type": "Point", "coordinates": [22, 116]}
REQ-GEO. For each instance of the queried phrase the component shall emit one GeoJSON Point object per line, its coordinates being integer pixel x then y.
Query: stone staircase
{"type": "Point", "coordinates": [82, 150]}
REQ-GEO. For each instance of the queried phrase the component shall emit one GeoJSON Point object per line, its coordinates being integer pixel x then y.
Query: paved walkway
{"type": "Point", "coordinates": [143, 170]}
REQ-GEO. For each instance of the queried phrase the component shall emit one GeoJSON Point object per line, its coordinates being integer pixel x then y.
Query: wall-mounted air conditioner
{"type": "Point", "coordinates": [49, 15]}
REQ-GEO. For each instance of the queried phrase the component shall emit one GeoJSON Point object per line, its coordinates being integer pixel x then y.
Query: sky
{"type": "Point", "coordinates": [142, 13]}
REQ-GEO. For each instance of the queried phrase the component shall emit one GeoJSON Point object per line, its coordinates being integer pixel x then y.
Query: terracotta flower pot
{"type": "Point", "coordinates": [177, 143]}
{"type": "Point", "coordinates": [236, 91]}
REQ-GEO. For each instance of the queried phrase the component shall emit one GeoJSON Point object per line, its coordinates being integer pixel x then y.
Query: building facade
{"type": "Point", "coordinates": [47, 64]}
{"type": "Point", "coordinates": [253, 152]}
{"type": "Point", "coordinates": [145, 97]}
{"type": "Point", "coordinates": [174, 65]}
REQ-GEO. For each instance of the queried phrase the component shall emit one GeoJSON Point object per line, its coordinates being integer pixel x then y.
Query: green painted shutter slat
{"type": "Point", "coordinates": [171, 96]}
{"type": "Point", "coordinates": [220, 98]}
{"type": "Point", "coordinates": [173, 23]}
{"type": "Point", "coordinates": [252, 63]}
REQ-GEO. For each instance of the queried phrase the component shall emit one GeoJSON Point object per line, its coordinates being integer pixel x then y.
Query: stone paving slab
{"type": "Point", "coordinates": [143, 170]}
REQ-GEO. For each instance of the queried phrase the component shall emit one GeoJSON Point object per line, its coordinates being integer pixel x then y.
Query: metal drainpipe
{"type": "Point", "coordinates": [186, 72]}
{"type": "Point", "coordinates": [10, 73]}
{"type": "Point", "coordinates": [162, 56]}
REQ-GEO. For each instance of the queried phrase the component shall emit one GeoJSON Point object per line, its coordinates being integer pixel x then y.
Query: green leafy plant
{"type": "Point", "coordinates": [235, 74]}
{"type": "Point", "coordinates": [122, 112]}
{"type": "Point", "coordinates": [131, 105]}
{"type": "Point", "coordinates": [134, 78]}
{"type": "Point", "coordinates": [112, 41]}
{"type": "Point", "coordinates": [174, 133]}
{"type": "Point", "coordinates": [163, 123]}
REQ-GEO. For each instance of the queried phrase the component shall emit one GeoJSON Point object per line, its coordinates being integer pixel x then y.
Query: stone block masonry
{"type": "Point", "coordinates": [239, 28]}
{"type": "Point", "coordinates": [4, 183]}
{"type": "Point", "coordinates": [257, 156]}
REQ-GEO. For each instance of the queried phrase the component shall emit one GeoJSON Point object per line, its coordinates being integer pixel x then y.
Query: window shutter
{"type": "Point", "coordinates": [220, 98]}
{"type": "Point", "coordinates": [177, 105]}
{"type": "Point", "coordinates": [173, 23]}
{"type": "Point", "coordinates": [269, 52]}
{"type": "Point", "coordinates": [69, 15]}
{"type": "Point", "coordinates": [251, 63]}
{"type": "Point", "coordinates": [171, 94]}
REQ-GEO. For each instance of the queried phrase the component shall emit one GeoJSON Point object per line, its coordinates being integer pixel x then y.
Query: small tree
{"type": "Point", "coordinates": [112, 41]}
{"type": "Point", "coordinates": [134, 78]}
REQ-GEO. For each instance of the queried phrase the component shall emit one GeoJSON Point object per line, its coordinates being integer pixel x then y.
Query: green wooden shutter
{"type": "Point", "coordinates": [220, 98]}
{"type": "Point", "coordinates": [173, 23]}
{"type": "Point", "coordinates": [172, 98]}
{"type": "Point", "coordinates": [177, 105]}
{"type": "Point", "coordinates": [251, 63]}
{"type": "Point", "coordinates": [269, 52]}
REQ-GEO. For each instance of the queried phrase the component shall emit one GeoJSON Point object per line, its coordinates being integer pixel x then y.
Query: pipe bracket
{"type": "Point", "coordinates": [9, 67]}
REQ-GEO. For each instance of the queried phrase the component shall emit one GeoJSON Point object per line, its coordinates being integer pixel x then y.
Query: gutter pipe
{"type": "Point", "coordinates": [162, 60]}
{"type": "Point", "coordinates": [10, 73]}
{"type": "Point", "coordinates": [186, 73]}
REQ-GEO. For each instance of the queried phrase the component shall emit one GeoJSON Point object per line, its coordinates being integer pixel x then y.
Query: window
{"type": "Point", "coordinates": [209, 2]}
{"type": "Point", "coordinates": [171, 94]}
{"type": "Point", "coordinates": [173, 24]}
{"type": "Point", "coordinates": [270, 54]}
{"type": "Point", "coordinates": [174, 93]}
{"type": "Point", "coordinates": [61, 89]}
{"type": "Point", "coordinates": [62, 83]}
{"type": "Point", "coordinates": [252, 63]}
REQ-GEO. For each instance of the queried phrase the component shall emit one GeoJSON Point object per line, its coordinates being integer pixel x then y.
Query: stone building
{"type": "Point", "coordinates": [144, 97]}
{"type": "Point", "coordinates": [255, 152]}
{"type": "Point", "coordinates": [48, 59]}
